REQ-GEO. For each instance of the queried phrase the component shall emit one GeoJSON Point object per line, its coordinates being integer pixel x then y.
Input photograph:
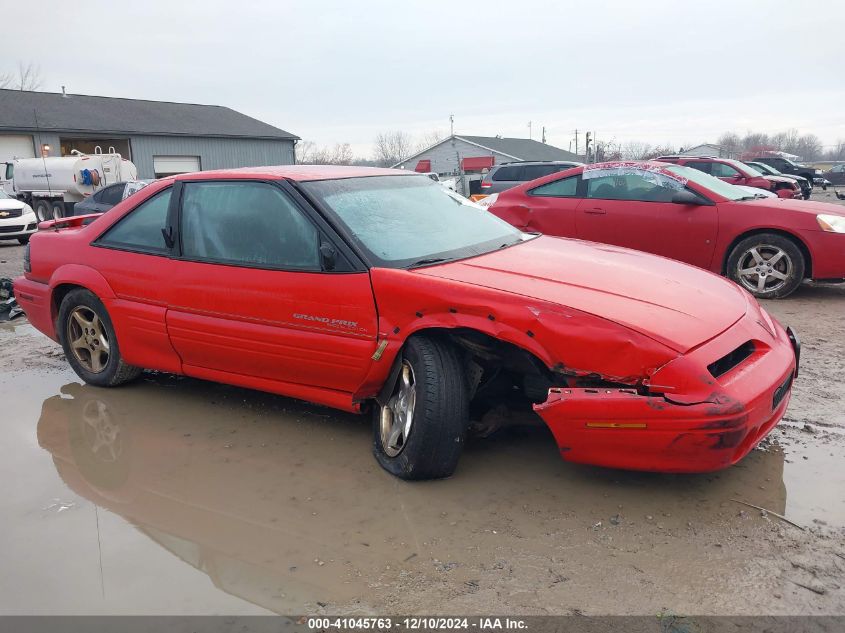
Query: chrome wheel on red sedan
{"type": "Point", "coordinates": [768, 265]}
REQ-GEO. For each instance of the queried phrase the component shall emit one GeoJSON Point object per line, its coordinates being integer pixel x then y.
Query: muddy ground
{"type": "Point", "coordinates": [177, 496]}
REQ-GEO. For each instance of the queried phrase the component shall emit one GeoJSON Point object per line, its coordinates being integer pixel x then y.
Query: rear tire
{"type": "Point", "coordinates": [768, 265]}
{"type": "Point", "coordinates": [58, 210]}
{"type": "Point", "coordinates": [90, 344]}
{"type": "Point", "coordinates": [43, 210]}
{"type": "Point", "coordinates": [426, 441]}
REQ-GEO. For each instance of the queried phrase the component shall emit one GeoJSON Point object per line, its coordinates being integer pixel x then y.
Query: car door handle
{"type": "Point", "coordinates": [595, 211]}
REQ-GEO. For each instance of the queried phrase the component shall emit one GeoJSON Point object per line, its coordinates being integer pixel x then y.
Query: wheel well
{"type": "Point", "coordinates": [808, 260]}
{"type": "Point", "coordinates": [509, 370]}
{"type": "Point", "coordinates": [59, 293]}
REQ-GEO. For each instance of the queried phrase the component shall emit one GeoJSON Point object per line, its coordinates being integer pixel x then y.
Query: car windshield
{"type": "Point", "coordinates": [720, 187]}
{"type": "Point", "coordinates": [4, 195]}
{"type": "Point", "coordinates": [406, 221]}
{"type": "Point", "coordinates": [744, 168]}
{"type": "Point", "coordinates": [766, 169]}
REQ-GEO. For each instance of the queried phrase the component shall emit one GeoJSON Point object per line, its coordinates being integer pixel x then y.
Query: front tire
{"type": "Point", "coordinates": [419, 433]}
{"type": "Point", "coordinates": [768, 265]}
{"type": "Point", "coordinates": [24, 240]}
{"type": "Point", "coordinates": [88, 339]}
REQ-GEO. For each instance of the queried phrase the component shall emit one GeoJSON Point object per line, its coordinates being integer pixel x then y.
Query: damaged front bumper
{"type": "Point", "coordinates": [686, 431]}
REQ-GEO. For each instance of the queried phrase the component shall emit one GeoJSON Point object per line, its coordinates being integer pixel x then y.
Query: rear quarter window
{"type": "Point", "coordinates": [508, 173]}
{"type": "Point", "coordinates": [563, 188]}
{"type": "Point", "coordinates": [140, 229]}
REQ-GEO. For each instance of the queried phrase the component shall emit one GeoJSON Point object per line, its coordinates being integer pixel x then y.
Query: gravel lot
{"type": "Point", "coordinates": [236, 501]}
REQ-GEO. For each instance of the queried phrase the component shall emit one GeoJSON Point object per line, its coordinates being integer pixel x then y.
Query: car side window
{"type": "Point", "coordinates": [140, 229]}
{"type": "Point", "coordinates": [700, 165]}
{"type": "Point", "coordinates": [532, 172]}
{"type": "Point", "coordinates": [249, 223]}
{"type": "Point", "coordinates": [720, 170]}
{"type": "Point", "coordinates": [563, 188]}
{"type": "Point", "coordinates": [508, 173]}
{"type": "Point", "coordinates": [112, 194]}
{"type": "Point", "coordinates": [630, 187]}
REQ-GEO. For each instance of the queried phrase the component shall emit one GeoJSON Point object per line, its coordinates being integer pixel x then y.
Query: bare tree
{"type": "Point", "coordinates": [837, 153]}
{"type": "Point", "coordinates": [427, 139]}
{"type": "Point", "coordinates": [659, 150]}
{"type": "Point", "coordinates": [28, 77]}
{"type": "Point", "coordinates": [392, 147]}
{"type": "Point", "coordinates": [808, 147]}
{"type": "Point", "coordinates": [308, 153]}
{"type": "Point", "coordinates": [732, 142]}
{"type": "Point", "coordinates": [636, 150]}
{"type": "Point", "coordinates": [304, 152]}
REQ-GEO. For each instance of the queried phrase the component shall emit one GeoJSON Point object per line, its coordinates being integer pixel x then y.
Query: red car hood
{"type": "Point", "coordinates": [779, 178]}
{"type": "Point", "coordinates": [809, 207]}
{"type": "Point", "coordinates": [678, 305]}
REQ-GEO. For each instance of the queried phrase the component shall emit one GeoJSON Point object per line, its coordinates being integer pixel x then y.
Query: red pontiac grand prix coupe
{"type": "Point", "coordinates": [367, 289]}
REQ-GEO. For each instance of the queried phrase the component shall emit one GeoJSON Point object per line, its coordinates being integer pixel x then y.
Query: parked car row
{"type": "Point", "coordinates": [767, 246]}
{"type": "Point", "coordinates": [805, 185]}
{"type": "Point", "coordinates": [738, 173]}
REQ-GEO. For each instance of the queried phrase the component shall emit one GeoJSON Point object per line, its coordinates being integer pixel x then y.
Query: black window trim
{"type": "Point", "coordinates": [346, 261]}
{"type": "Point", "coordinates": [130, 248]}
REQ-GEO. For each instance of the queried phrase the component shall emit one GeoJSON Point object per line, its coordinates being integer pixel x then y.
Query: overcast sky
{"type": "Point", "coordinates": [342, 71]}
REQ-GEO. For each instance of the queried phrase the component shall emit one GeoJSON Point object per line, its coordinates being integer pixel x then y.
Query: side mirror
{"type": "Point", "coordinates": [686, 197]}
{"type": "Point", "coordinates": [327, 256]}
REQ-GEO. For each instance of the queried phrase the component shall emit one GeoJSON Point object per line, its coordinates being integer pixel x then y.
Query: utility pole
{"type": "Point", "coordinates": [529, 130]}
{"type": "Point", "coordinates": [576, 140]}
{"type": "Point", "coordinates": [587, 146]}
{"type": "Point", "coordinates": [544, 135]}
{"type": "Point", "coordinates": [451, 125]}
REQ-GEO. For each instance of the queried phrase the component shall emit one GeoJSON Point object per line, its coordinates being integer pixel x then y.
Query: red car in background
{"type": "Point", "coordinates": [376, 290]}
{"type": "Point", "coordinates": [768, 246]}
{"type": "Point", "coordinates": [738, 173]}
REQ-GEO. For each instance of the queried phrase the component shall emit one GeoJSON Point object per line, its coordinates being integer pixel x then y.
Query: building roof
{"type": "Point", "coordinates": [704, 146]}
{"type": "Point", "coordinates": [521, 148]}
{"type": "Point", "coordinates": [515, 148]}
{"type": "Point", "coordinates": [54, 112]}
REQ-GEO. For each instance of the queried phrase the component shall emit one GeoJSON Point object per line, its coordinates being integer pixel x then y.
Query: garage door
{"type": "Point", "coordinates": [170, 165]}
{"type": "Point", "coordinates": [16, 146]}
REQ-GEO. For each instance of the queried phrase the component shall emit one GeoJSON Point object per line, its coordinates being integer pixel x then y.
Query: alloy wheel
{"type": "Point", "coordinates": [397, 415]}
{"type": "Point", "coordinates": [88, 339]}
{"type": "Point", "coordinates": [764, 268]}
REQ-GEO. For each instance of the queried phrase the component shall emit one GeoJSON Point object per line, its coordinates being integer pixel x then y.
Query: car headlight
{"type": "Point", "coordinates": [831, 223]}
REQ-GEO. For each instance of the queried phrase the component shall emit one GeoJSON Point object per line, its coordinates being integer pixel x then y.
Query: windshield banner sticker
{"type": "Point", "coordinates": [651, 173]}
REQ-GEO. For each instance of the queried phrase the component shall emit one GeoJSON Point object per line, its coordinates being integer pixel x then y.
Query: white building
{"type": "Point", "coordinates": [473, 154]}
{"type": "Point", "coordinates": [708, 149]}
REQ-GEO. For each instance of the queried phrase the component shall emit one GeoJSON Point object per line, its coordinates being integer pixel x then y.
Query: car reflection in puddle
{"type": "Point", "coordinates": [281, 504]}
